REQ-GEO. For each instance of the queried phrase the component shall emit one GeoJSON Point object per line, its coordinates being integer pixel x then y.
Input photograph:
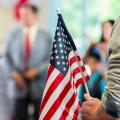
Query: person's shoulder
{"type": "Point", "coordinates": [116, 23]}
{"type": "Point", "coordinates": [12, 34]}
{"type": "Point", "coordinates": [98, 74]}
{"type": "Point", "coordinates": [45, 34]}
{"type": "Point", "coordinates": [118, 18]}
{"type": "Point", "coordinates": [16, 30]}
{"type": "Point", "coordinates": [43, 31]}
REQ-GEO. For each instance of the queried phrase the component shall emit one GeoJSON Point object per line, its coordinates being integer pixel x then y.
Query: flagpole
{"type": "Point", "coordinates": [84, 79]}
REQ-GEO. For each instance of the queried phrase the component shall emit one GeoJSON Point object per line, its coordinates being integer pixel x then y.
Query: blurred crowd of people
{"type": "Point", "coordinates": [96, 58]}
{"type": "Point", "coordinates": [25, 63]}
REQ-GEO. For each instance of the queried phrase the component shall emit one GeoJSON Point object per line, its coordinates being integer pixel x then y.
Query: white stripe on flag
{"type": "Point", "coordinates": [74, 65]}
{"type": "Point", "coordinates": [72, 109]}
{"type": "Point", "coordinates": [55, 95]}
{"type": "Point", "coordinates": [58, 113]}
{"type": "Point", "coordinates": [51, 79]}
{"type": "Point", "coordinates": [71, 54]}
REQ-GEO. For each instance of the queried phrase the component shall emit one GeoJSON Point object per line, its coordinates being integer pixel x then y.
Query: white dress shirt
{"type": "Point", "coordinates": [32, 31]}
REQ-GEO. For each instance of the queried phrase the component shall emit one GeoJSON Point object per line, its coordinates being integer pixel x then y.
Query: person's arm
{"type": "Point", "coordinates": [105, 116]}
{"type": "Point", "coordinates": [111, 96]}
{"type": "Point", "coordinates": [46, 58]}
{"type": "Point", "coordinates": [7, 53]}
{"type": "Point", "coordinates": [14, 74]}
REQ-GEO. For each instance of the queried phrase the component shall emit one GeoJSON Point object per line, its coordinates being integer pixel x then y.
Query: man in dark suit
{"type": "Point", "coordinates": [27, 53]}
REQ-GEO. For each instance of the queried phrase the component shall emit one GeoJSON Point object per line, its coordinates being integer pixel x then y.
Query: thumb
{"type": "Point", "coordinates": [87, 97]}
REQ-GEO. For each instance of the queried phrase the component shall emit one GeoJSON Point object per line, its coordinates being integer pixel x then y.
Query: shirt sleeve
{"type": "Point", "coordinates": [7, 51]}
{"type": "Point", "coordinates": [111, 96]}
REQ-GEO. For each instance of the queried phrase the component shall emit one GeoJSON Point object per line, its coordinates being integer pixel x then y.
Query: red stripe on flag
{"type": "Point", "coordinates": [73, 60]}
{"type": "Point", "coordinates": [51, 89]}
{"type": "Point", "coordinates": [58, 102]}
{"type": "Point", "coordinates": [76, 71]}
{"type": "Point", "coordinates": [87, 77]}
{"type": "Point", "coordinates": [80, 81]}
{"type": "Point", "coordinates": [78, 57]}
{"type": "Point", "coordinates": [77, 111]}
{"type": "Point", "coordinates": [50, 70]}
{"type": "Point", "coordinates": [83, 68]}
{"type": "Point", "coordinates": [67, 107]}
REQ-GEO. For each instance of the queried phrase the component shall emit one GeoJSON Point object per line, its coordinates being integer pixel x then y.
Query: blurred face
{"type": "Point", "coordinates": [27, 16]}
{"type": "Point", "coordinates": [92, 62]}
{"type": "Point", "coordinates": [107, 27]}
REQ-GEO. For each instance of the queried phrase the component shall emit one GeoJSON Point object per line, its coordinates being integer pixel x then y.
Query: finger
{"type": "Point", "coordinates": [88, 104]}
{"type": "Point", "coordinates": [87, 97]}
{"type": "Point", "coordinates": [84, 110]}
{"type": "Point", "coordinates": [84, 116]}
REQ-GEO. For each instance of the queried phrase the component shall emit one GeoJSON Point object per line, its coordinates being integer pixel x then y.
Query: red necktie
{"type": "Point", "coordinates": [27, 50]}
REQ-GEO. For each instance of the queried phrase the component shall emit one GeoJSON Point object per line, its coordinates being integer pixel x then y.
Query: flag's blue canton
{"type": "Point", "coordinates": [61, 49]}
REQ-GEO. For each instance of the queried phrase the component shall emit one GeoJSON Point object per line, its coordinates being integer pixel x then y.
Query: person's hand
{"type": "Point", "coordinates": [18, 78]}
{"type": "Point", "coordinates": [91, 109]}
{"type": "Point", "coordinates": [31, 74]}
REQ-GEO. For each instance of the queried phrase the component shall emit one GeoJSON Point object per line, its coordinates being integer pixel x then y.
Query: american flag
{"type": "Point", "coordinates": [65, 73]}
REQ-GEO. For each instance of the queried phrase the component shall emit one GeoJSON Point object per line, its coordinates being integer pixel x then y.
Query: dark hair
{"type": "Point", "coordinates": [108, 21]}
{"type": "Point", "coordinates": [94, 52]}
{"type": "Point", "coordinates": [32, 7]}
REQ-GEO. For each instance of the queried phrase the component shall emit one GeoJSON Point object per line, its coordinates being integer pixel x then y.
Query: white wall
{"type": "Point", "coordinates": [7, 21]}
